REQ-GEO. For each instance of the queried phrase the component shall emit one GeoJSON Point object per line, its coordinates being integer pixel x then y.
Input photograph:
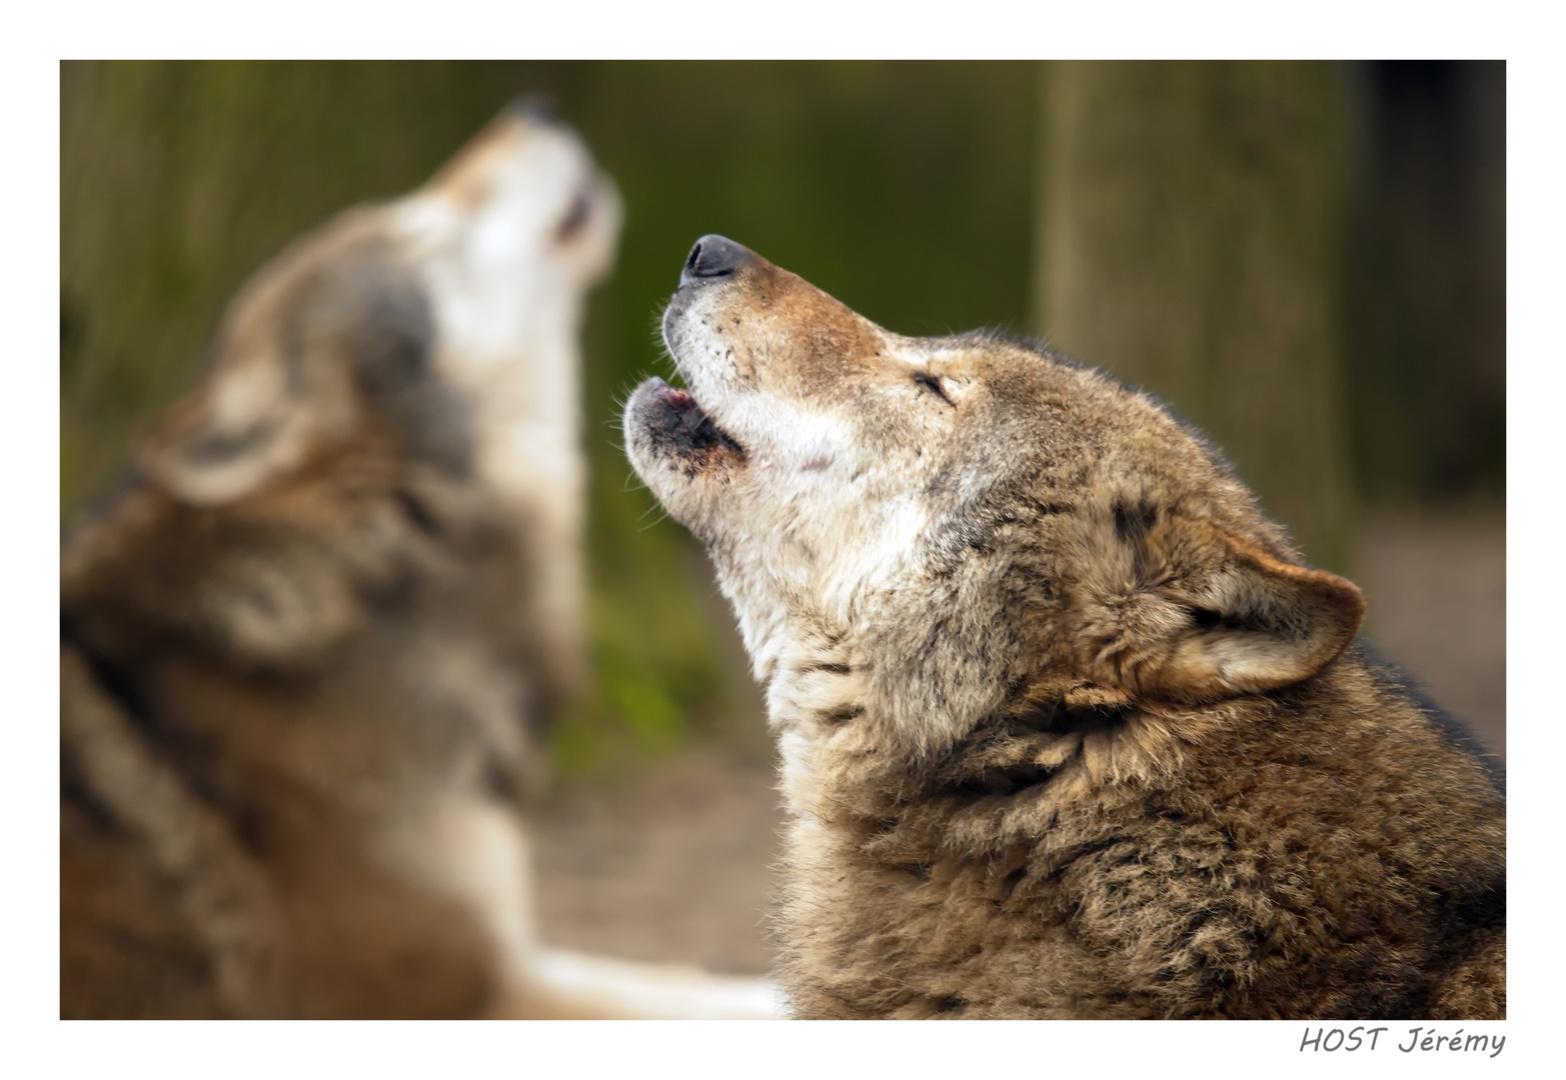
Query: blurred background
{"type": "Point", "coordinates": [1306, 260]}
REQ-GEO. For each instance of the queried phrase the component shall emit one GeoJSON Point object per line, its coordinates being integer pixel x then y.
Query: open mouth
{"type": "Point", "coordinates": [577, 215]}
{"type": "Point", "coordinates": [676, 424]}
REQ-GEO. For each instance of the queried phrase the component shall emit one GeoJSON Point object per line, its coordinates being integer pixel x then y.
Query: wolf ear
{"type": "Point", "coordinates": [1255, 624]}
{"type": "Point", "coordinates": [229, 437]}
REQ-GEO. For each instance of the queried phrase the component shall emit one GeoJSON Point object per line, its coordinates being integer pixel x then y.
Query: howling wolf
{"type": "Point", "coordinates": [1067, 729]}
{"type": "Point", "coordinates": [305, 650]}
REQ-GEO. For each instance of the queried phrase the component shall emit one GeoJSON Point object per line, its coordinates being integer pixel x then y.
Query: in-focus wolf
{"type": "Point", "coordinates": [304, 650]}
{"type": "Point", "coordinates": [1067, 730]}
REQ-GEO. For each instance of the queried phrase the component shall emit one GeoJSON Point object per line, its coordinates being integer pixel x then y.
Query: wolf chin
{"type": "Point", "coordinates": [1067, 729]}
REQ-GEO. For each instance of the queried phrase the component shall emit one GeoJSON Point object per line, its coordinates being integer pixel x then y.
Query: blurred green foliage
{"type": "Point", "coordinates": [908, 190]}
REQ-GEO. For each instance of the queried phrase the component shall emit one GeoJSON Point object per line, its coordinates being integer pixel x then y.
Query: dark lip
{"type": "Point", "coordinates": [680, 424]}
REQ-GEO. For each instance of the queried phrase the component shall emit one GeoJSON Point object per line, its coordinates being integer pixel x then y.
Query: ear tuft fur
{"type": "Point", "coordinates": [1251, 623]}
{"type": "Point", "coordinates": [228, 438]}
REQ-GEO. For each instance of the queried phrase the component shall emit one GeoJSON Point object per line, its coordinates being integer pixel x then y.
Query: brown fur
{"type": "Point", "coordinates": [306, 649]}
{"type": "Point", "coordinates": [1067, 730]}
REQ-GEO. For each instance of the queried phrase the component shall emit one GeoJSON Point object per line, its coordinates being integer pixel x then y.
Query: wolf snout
{"type": "Point", "coordinates": [713, 257]}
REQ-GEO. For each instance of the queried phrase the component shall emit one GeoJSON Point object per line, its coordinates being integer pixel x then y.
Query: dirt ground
{"type": "Point", "coordinates": [674, 865]}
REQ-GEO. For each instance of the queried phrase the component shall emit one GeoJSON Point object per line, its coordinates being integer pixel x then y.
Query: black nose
{"type": "Point", "coordinates": [713, 257]}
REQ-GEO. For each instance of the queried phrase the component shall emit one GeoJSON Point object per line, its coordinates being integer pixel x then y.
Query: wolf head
{"type": "Point", "coordinates": [427, 346]}
{"type": "Point", "coordinates": [446, 320]}
{"type": "Point", "coordinates": [963, 523]}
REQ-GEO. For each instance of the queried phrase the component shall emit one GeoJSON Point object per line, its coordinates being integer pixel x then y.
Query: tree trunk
{"type": "Point", "coordinates": [1190, 224]}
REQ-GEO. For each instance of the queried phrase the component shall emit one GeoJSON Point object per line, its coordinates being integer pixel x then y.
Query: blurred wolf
{"type": "Point", "coordinates": [305, 651]}
{"type": "Point", "coordinates": [1067, 730]}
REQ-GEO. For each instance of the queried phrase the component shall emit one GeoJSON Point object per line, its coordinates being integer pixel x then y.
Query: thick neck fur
{"type": "Point", "coordinates": [931, 882]}
{"type": "Point", "coordinates": [300, 599]}
{"type": "Point", "coordinates": [277, 580]}
{"type": "Point", "coordinates": [864, 734]}
{"type": "Point", "coordinates": [342, 669]}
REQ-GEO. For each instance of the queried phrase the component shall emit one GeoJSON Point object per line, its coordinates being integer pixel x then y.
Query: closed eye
{"type": "Point", "coordinates": [934, 385]}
